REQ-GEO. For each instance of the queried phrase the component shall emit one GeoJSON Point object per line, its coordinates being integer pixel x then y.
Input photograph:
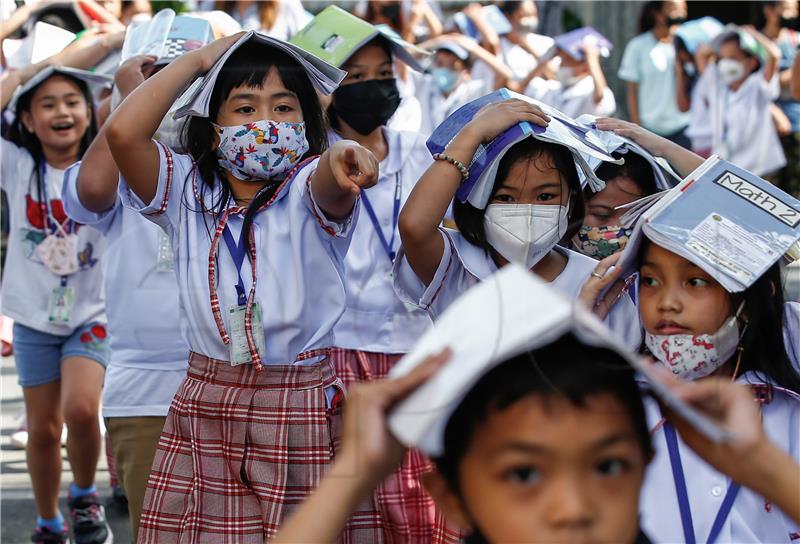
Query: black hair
{"type": "Point", "coordinates": [22, 137]}
{"type": "Point", "coordinates": [249, 65]}
{"type": "Point", "coordinates": [635, 168]}
{"type": "Point", "coordinates": [647, 18]}
{"type": "Point", "coordinates": [566, 368]}
{"type": "Point", "coordinates": [510, 7]}
{"type": "Point", "coordinates": [469, 219]}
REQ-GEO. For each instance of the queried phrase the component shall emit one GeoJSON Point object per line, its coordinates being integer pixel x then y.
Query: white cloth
{"type": "Point", "coordinates": [27, 284]}
{"type": "Point", "coordinates": [436, 107]}
{"type": "Point", "coordinates": [518, 59]}
{"type": "Point", "coordinates": [291, 18]}
{"type": "Point", "coordinates": [750, 519]}
{"type": "Point", "coordinates": [575, 100]}
{"type": "Point", "coordinates": [791, 332]}
{"type": "Point", "coordinates": [463, 265]}
{"type": "Point", "coordinates": [651, 64]}
{"type": "Point", "coordinates": [148, 356]}
{"type": "Point", "coordinates": [737, 124]}
{"type": "Point", "coordinates": [408, 116]}
{"type": "Point", "coordinates": [376, 319]}
{"type": "Point", "coordinates": [300, 262]}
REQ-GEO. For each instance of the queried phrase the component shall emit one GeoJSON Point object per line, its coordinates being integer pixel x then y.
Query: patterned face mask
{"type": "Point", "coordinates": [601, 242]}
{"type": "Point", "coordinates": [263, 150]}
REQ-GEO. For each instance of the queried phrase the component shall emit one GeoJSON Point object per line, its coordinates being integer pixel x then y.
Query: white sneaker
{"type": "Point", "coordinates": [19, 439]}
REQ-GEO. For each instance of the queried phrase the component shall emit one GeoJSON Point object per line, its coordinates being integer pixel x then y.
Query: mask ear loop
{"type": "Point", "coordinates": [740, 347]}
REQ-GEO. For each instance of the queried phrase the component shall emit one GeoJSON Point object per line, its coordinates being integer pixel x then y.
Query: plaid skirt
{"type": "Point", "coordinates": [240, 450]}
{"type": "Point", "coordinates": [400, 508]}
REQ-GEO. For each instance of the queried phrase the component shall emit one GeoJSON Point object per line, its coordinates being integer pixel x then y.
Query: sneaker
{"type": "Point", "coordinates": [19, 439]}
{"type": "Point", "coordinates": [89, 523]}
{"type": "Point", "coordinates": [46, 536]}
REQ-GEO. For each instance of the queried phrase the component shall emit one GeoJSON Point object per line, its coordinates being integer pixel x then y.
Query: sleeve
{"type": "Point", "coordinates": [771, 90]}
{"type": "Point", "coordinates": [450, 280]}
{"type": "Point", "coordinates": [607, 105]}
{"type": "Point", "coordinates": [75, 208]}
{"type": "Point", "coordinates": [624, 322]}
{"type": "Point", "coordinates": [629, 69]}
{"type": "Point", "coordinates": [176, 174]}
{"type": "Point", "coordinates": [540, 89]}
{"type": "Point", "coordinates": [10, 167]}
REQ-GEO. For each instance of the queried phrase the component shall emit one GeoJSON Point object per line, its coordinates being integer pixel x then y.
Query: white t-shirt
{"type": "Point", "coordinates": [463, 265]}
{"type": "Point", "coordinates": [737, 124]}
{"type": "Point", "coordinates": [375, 319]}
{"type": "Point", "coordinates": [148, 356]}
{"type": "Point", "coordinates": [575, 100]}
{"type": "Point", "coordinates": [751, 519]}
{"type": "Point", "coordinates": [651, 64]}
{"type": "Point", "coordinates": [518, 59]}
{"type": "Point", "coordinates": [27, 284]}
{"type": "Point", "coordinates": [291, 18]}
{"type": "Point", "coordinates": [436, 107]}
{"type": "Point", "coordinates": [408, 116]}
{"type": "Point", "coordinates": [299, 260]}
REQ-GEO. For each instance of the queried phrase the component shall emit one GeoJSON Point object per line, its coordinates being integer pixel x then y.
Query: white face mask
{"type": "Point", "coordinates": [529, 24]}
{"type": "Point", "coordinates": [730, 70]}
{"type": "Point", "coordinates": [524, 233]}
{"type": "Point", "coordinates": [566, 76]}
{"type": "Point", "coordinates": [695, 356]}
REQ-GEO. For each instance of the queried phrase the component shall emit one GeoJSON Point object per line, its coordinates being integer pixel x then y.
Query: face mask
{"type": "Point", "coordinates": [730, 70]}
{"type": "Point", "coordinates": [366, 105]}
{"type": "Point", "coordinates": [788, 22]}
{"type": "Point", "coordinates": [524, 233]}
{"type": "Point", "coordinates": [671, 21]}
{"type": "Point", "coordinates": [529, 24]}
{"type": "Point", "coordinates": [169, 132]}
{"type": "Point", "coordinates": [601, 242]}
{"type": "Point", "coordinates": [566, 76]}
{"type": "Point", "coordinates": [264, 150]}
{"type": "Point", "coordinates": [695, 356]}
{"type": "Point", "coordinates": [445, 79]}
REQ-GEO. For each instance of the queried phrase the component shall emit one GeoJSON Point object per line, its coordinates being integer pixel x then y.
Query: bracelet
{"type": "Point", "coordinates": [455, 162]}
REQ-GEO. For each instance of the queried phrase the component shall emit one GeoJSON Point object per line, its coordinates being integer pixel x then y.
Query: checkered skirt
{"type": "Point", "coordinates": [401, 509]}
{"type": "Point", "coordinates": [240, 450]}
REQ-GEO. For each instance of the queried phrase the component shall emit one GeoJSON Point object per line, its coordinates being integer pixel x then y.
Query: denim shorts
{"type": "Point", "coordinates": [38, 355]}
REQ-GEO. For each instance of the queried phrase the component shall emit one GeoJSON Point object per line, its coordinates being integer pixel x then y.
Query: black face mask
{"type": "Point", "coordinates": [391, 11]}
{"type": "Point", "coordinates": [366, 105]}
{"type": "Point", "coordinates": [788, 22]}
{"type": "Point", "coordinates": [671, 21]}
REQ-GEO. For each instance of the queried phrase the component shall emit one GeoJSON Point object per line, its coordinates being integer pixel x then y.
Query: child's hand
{"type": "Point", "coordinates": [210, 54]}
{"type": "Point", "coordinates": [354, 167]}
{"type": "Point", "coordinates": [366, 441]}
{"type": "Point", "coordinates": [648, 140]}
{"type": "Point", "coordinates": [132, 73]}
{"type": "Point", "coordinates": [601, 277]}
{"type": "Point", "coordinates": [493, 119]}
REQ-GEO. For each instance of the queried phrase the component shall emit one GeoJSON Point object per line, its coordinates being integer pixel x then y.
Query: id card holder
{"type": "Point", "coordinates": [166, 257]}
{"type": "Point", "coordinates": [239, 351]}
{"type": "Point", "coordinates": [62, 299]}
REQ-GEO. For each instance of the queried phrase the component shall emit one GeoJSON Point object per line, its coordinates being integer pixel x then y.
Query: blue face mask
{"type": "Point", "coordinates": [445, 79]}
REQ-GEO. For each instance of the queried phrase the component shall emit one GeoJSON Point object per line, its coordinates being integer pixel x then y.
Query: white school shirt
{"type": "Point", "coordinates": [436, 107]}
{"type": "Point", "coordinates": [575, 100]}
{"type": "Point", "coordinates": [27, 284]}
{"type": "Point", "coordinates": [751, 519]}
{"type": "Point", "coordinates": [408, 116]}
{"type": "Point", "coordinates": [738, 123]}
{"type": "Point", "coordinates": [518, 59]}
{"type": "Point", "coordinates": [463, 265]}
{"type": "Point", "coordinates": [299, 260]}
{"type": "Point", "coordinates": [148, 355]}
{"type": "Point", "coordinates": [791, 332]}
{"type": "Point", "coordinates": [376, 319]}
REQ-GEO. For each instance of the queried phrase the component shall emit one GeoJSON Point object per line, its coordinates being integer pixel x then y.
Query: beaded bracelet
{"type": "Point", "coordinates": [455, 162]}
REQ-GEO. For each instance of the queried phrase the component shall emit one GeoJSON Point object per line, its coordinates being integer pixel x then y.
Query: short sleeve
{"type": "Point", "coordinates": [75, 208]}
{"type": "Point", "coordinates": [607, 105]}
{"type": "Point", "coordinates": [10, 166]}
{"type": "Point", "coordinates": [771, 90]}
{"type": "Point", "coordinates": [174, 177]}
{"type": "Point", "coordinates": [629, 69]}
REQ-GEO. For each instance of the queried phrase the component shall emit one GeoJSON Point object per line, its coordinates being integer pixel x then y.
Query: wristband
{"type": "Point", "coordinates": [455, 162]}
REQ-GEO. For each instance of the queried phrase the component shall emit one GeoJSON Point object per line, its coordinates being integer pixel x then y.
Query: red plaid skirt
{"type": "Point", "coordinates": [401, 508]}
{"type": "Point", "coordinates": [240, 450]}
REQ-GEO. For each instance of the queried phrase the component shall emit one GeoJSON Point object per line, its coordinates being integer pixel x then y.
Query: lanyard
{"type": "Point", "coordinates": [44, 206]}
{"type": "Point", "coordinates": [683, 495]}
{"type": "Point", "coordinates": [237, 252]}
{"type": "Point", "coordinates": [388, 246]}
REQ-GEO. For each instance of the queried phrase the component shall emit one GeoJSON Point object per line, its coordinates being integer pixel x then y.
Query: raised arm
{"type": "Point", "coordinates": [428, 202]}
{"type": "Point", "coordinates": [682, 160]}
{"type": "Point", "coordinates": [491, 41]}
{"type": "Point", "coordinates": [421, 12]}
{"type": "Point", "coordinates": [502, 72]}
{"type": "Point", "coordinates": [773, 53]}
{"type": "Point", "coordinates": [130, 128]}
{"type": "Point", "coordinates": [596, 71]}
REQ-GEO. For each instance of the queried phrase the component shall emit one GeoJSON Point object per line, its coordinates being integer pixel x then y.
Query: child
{"type": "Point", "coordinates": [273, 223]}
{"type": "Point", "coordinates": [51, 289]}
{"type": "Point", "coordinates": [731, 103]}
{"type": "Point", "coordinates": [536, 201]}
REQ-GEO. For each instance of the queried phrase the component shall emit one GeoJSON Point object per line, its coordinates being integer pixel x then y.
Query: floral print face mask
{"type": "Point", "coordinates": [263, 150]}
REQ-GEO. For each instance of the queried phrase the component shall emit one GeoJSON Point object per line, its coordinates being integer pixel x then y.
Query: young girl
{"type": "Point", "coordinates": [260, 227]}
{"type": "Point", "coordinates": [52, 290]}
{"type": "Point", "coordinates": [536, 201]}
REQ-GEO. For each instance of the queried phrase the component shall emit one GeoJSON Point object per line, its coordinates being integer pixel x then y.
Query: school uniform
{"type": "Point", "coordinates": [244, 444]}
{"type": "Point", "coordinates": [463, 265]}
{"type": "Point", "coordinates": [751, 518]}
{"type": "Point", "coordinates": [737, 123]}
{"type": "Point", "coordinates": [791, 332]}
{"type": "Point", "coordinates": [436, 107]}
{"type": "Point", "coordinates": [575, 100]}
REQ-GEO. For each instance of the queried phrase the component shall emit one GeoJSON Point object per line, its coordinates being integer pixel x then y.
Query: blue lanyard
{"type": "Point", "coordinates": [388, 246]}
{"type": "Point", "coordinates": [44, 205]}
{"type": "Point", "coordinates": [237, 252]}
{"type": "Point", "coordinates": [683, 496]}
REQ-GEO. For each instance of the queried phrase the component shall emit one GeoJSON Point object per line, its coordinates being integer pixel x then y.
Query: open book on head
{"type": "Point", "coordinates": [562, 129]}
{"type": "Point", "coordinates": [508, 314]}
{"type": "Point", "coordinates": [726, 220]}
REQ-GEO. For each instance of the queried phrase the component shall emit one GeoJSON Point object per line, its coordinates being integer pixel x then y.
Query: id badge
{"type": "Point", "coordinates": [166, 257]}
{"type": "Point", "coordinates": [239, 352]}
{"type": "Point", "coordinates": [61, 302]}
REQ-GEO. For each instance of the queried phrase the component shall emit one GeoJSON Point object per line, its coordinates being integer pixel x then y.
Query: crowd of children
{"type": "Point", "coordinates": [369, 278]}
